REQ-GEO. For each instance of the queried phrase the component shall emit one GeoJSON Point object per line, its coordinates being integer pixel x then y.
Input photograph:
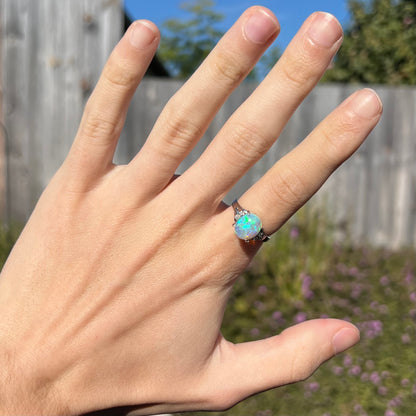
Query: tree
{"type": "Point", "coordinates": [379, 44]}
{"type": "Point", "coordinates": [186, 43]}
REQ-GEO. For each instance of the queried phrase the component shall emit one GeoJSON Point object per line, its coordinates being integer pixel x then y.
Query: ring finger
{"type": "Point", "coordinates": [299, 174]}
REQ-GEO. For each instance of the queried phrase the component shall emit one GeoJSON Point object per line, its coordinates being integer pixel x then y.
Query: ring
{"type": "Point", "coordinates": [247, 226]}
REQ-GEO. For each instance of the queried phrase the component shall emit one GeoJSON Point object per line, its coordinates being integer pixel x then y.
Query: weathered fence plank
{"type": "Point", "coordinates": [52, 54]}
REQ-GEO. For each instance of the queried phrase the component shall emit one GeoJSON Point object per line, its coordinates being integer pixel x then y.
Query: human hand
{"type": "Point", "coordinates": [115, 292]}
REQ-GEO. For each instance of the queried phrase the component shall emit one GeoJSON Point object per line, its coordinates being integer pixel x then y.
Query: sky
{"type": "Point", "coordinates": [291, 13]}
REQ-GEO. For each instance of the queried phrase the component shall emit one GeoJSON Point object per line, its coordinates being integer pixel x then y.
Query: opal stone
{"type": "Point", "coordinates": [247, 226]}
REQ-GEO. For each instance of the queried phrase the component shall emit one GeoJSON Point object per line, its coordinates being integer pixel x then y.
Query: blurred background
{"type": "Point", "coordinates": [350, 253]}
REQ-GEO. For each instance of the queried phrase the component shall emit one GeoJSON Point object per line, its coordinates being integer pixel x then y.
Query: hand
{"type": "Point", "coordinates": [115, 292]}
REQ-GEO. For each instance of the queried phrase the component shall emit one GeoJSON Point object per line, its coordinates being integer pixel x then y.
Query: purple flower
{"type": "Point", "coordinates": [365, 376]}
{"type": "Point", "coordinates": [337, 370]}
{"type": "Point", "coordinates": [372, 329]}
{"type": "Point", "coordinates": [356, 290]}
{"type": "Point", "coordinates": [407, 21]}
{"type": "Point", "coordinates": [306, 286]}
{"type": "Point", "coordinates": [374, 304]}
{"type": "Point", "coordinates": [375, 377]}
{"type": "Point", "coordinates": [277, 315]}
{"type": "Point", "coordinates": [395, 401]}
{"type": "Point", "coordinates": [306, 279]}
{"type": "Point", "coordinates": [338, 286]}
{"type": "Point", "coordinates": [347, 360]}
{"type": "Point", "coordinates": [356, 310]}
{"type": "Point", "coordinates": [390, 412]}
{"type": "Point", "coordinates": [384, 280]}
{"type": "Point", "coordinates": [358, 408]}
{"type": "Point", "coordinates": [254, 332]}
{"type": "Point", "coordinates": [300, 317]}
{"type": "Point", "coordinates": [382, 390]}
{"type": "Point", "coordinates": [353, 271]}
{"type": "Point", "coordinates": [355, 370]}
{"type": "Point", "coordinates": [409, 278]}
{"type": "Point", "coordinates": [385, 374]}
{"type": "Point", "coordinates": [259, 305]}
{"type": "Point", "coordinates": [412, 296]}
{"type": "Point", "coordinates": [412, 313]}
{"type": "Point", "coordinates": [405, 382]}
{"type": "Point", "coordinates": [313, 387]}
{"type": "Point", "coordinates": [262, 290]}
{"type": "Point", "coordinates": [294, 233]}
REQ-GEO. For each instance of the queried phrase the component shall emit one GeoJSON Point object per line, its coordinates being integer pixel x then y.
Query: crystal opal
{"type": "Point", "coordinates": [247, 226]}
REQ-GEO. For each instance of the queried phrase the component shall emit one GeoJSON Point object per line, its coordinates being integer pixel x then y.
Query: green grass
{"type": "Point", "coordinates": [303, 274]}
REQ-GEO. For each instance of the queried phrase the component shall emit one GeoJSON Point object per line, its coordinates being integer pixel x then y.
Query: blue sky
{"type": "Point", "coordinates": [291, 13]}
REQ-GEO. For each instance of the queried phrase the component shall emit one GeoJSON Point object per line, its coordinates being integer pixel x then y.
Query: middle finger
{"type": "Point", "coordinates": [254, 127]}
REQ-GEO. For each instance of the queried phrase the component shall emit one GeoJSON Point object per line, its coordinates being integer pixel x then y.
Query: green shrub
{"type": "Point", "coordinates": [8, 236]}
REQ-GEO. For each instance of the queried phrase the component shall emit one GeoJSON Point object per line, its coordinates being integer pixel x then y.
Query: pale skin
{"type": "Point", "coordinates": [115, 292]}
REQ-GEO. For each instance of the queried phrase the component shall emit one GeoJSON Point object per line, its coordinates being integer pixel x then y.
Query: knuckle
{"type": "Point", "coordinates": [246, 143]}
{"type": "Point", "coordinates": [303, 67]}
{"type": "Point", "coordinates": [227, 69]}
{"type": "Point", "coordinates": [295, 74]}
{"type": "Point", "coordinates": [300, 369]}
{"type": "Point", "coordinates": [287, 187]}
{"type": "Point", "coordinates": [348, 123]}
{"type": "Point", "coordinates": [98, 128]}
{"type": "Point", "coordinates": [337, 141]}
{"type": "Point", "coordinates": [119, 74]}
{"type": "Point", "coordinates": [296, 70]}
{"type": "Point", "coordinates": [180, 132]}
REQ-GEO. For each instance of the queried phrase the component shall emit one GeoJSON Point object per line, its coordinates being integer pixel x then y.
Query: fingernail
{"type": "Point", "coordinates": [324, 29]}
{"type": "Point", "coordinates": [141, 35]}
{"type": "Point", "coordinates": [366, 103]}
{"type": "Point", "coordinates": [260, 27]}
{"type": "Point", "coordinates": [345, 338]}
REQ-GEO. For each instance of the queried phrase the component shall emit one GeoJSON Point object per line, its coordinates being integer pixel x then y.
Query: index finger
{"type": "Point", "coordinates": [106, 109]}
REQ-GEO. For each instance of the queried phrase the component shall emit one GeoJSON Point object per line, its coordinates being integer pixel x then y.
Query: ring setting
{"type": "Point", "coordinates": [247, 226]}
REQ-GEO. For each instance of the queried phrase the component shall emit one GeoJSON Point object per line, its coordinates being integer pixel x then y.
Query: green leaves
{"type": "Point", "coordinates": [186, 43]}
{"type": "Point", "coordinates": [379, 44]}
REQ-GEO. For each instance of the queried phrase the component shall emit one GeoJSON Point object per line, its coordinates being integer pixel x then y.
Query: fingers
{"type": "Point", "coordinates": [190, 111]}
{"type": "Point", "coordinates": [244, 369]}
{"type": "Point", "coordinates": [255, 126]}
{"type": "Point", "coordinates": [105, 112]}
{"type": "Point", "coordinates": [298, 175]}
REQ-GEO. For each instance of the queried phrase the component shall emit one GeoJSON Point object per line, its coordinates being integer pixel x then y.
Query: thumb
{"type": "Point", "coordinates": [252, 367]}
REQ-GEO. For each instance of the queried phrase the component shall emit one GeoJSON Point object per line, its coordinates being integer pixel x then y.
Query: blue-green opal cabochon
{"type": "Point", "coordinates": [247, 226]}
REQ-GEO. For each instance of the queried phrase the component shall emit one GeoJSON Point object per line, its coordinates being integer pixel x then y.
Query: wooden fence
{"type": "Point", "coordinates": [47, 78]}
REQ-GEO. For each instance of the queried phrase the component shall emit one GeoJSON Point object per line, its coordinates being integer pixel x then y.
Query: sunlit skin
{"type": "Point", "coordinates": [115, 292]}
